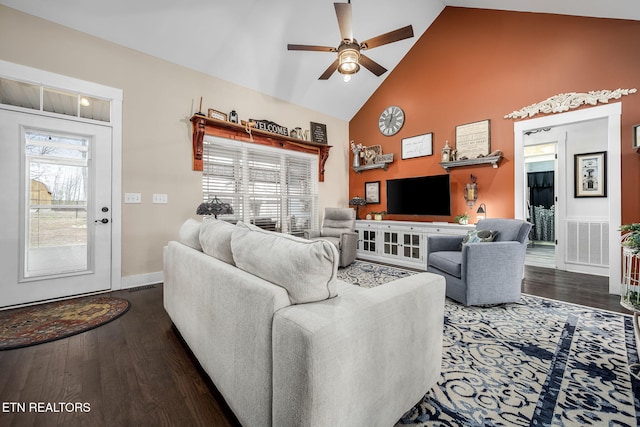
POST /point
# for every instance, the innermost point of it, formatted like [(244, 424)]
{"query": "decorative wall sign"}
[(417, 146), (472, 140), (591, 174), (270, 126), (566, 101), (384, 158), (215, 114), (372, 192), (318, 133)]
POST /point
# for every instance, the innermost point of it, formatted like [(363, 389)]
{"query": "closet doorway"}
[(541, 165)]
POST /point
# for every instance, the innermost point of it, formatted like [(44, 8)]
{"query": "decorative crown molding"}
[(567, 101)]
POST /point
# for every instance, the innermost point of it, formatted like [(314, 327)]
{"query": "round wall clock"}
[(391, 120)]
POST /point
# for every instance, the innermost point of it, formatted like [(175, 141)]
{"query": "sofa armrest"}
[(348, 248), (443, 243), (493, 268), (310, 234), (363, 358), (491, 260)]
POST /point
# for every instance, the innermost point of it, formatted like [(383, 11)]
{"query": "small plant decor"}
[(631, 239), (630, 298), (463, 218)]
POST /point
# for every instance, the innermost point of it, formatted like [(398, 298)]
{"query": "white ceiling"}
[(245, 41)]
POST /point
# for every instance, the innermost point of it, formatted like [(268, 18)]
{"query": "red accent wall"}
[(476, 64)]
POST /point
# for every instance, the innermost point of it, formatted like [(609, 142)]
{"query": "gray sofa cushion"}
[(448, 261), (306, 269), (189, 234), (215, 238)]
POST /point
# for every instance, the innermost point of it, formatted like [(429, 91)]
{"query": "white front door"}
[(55, 237)]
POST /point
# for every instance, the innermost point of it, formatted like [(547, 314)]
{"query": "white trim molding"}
[(567, 101), (612, 113)]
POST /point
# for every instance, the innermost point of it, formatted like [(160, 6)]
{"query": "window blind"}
[(275, 189)]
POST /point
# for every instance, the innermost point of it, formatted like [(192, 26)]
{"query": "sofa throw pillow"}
[(215, 238), (306, 269), (477, 236), (189, 234)]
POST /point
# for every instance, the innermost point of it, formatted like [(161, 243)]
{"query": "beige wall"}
[(159, 99)]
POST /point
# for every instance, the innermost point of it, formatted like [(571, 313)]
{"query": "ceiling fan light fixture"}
[(348, 61)]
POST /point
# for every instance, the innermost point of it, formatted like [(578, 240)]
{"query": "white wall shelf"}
[(493, 161)]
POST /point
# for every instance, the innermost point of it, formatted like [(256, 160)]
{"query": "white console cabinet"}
[(401, 242)]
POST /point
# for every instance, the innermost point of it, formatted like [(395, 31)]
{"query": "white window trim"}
[(244, 213)]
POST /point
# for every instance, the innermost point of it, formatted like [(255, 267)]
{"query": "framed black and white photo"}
[(372, 192), (636, 136), (417, 146), (591, 174)]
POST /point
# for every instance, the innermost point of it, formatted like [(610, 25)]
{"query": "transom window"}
[(52, 100)]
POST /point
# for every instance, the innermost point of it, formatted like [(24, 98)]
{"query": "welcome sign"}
[(270, 126)]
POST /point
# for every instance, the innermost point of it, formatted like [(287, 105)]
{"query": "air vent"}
[(587, 243)]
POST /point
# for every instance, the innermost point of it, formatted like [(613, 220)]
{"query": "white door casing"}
[(611, 113), (105, 140)]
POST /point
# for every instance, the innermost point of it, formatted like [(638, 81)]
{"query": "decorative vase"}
[(356, 159), (369, 216), (378, 217)]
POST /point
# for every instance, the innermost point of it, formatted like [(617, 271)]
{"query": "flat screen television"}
[(423, 195)]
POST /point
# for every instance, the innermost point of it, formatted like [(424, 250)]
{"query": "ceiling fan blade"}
[(329, 71), (372, 65), (311, 48), (343, 12), (390, 37)]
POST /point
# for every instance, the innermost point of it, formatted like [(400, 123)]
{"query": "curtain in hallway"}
[(541, 198)]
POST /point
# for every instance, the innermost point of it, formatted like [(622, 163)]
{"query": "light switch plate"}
[(160, 198), (132, 198)]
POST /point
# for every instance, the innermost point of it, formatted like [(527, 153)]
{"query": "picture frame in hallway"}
[(590, 170), (372, 192)]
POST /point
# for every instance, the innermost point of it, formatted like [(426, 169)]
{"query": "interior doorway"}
[(541, 179), (585, 227)]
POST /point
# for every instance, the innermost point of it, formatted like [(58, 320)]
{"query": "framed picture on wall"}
[(636, 136), (591, 174), (372, 192), (417, 146)]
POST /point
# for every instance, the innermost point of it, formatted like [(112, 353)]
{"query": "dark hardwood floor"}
[(136, 371)]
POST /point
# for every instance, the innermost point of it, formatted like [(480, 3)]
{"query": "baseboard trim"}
[(142, 280)]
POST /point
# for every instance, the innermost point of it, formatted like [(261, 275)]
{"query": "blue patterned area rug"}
[(536, 363)]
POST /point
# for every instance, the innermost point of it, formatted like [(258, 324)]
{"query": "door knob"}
[(103, 220)]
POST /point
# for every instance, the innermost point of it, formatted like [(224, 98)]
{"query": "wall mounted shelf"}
[(359, 169), (493, 161), (207, 126)]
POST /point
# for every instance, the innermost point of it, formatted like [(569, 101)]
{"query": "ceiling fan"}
[(349, 56)]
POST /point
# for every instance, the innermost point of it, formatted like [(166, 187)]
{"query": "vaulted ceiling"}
[(245, 41)]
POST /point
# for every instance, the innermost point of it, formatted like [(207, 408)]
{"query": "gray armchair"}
[(484, 272), (338, 227)]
